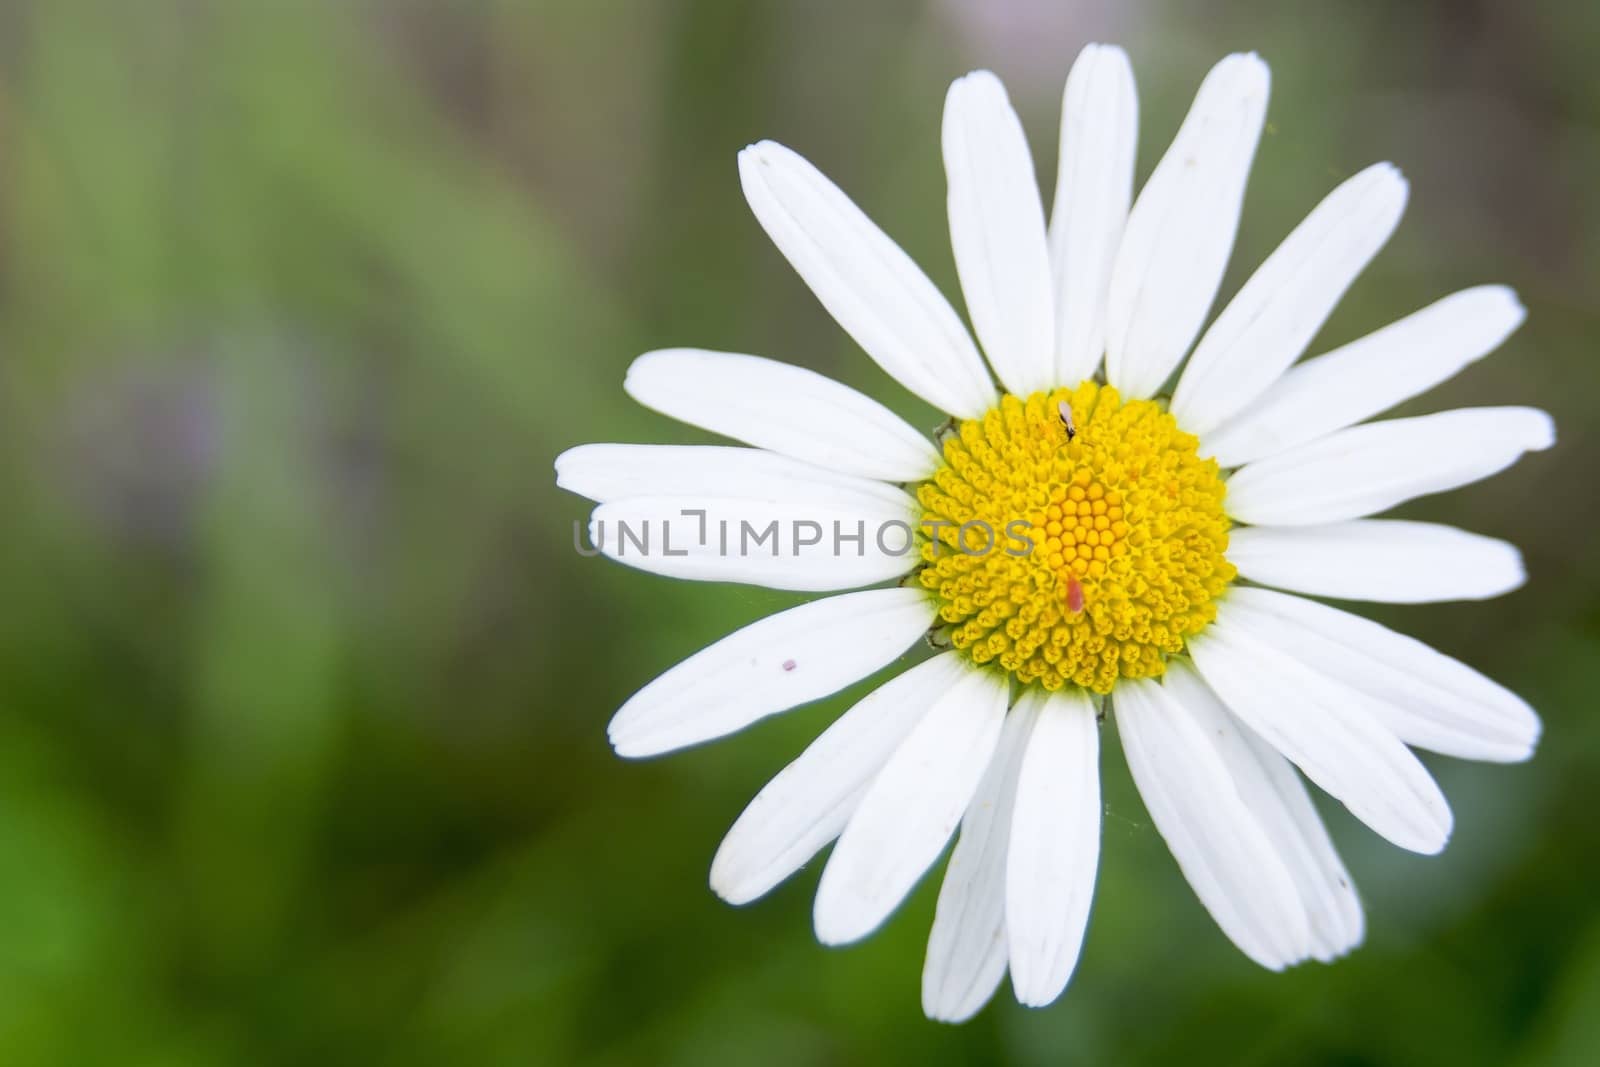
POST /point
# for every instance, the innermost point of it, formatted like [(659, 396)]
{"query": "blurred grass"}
[(302, 692)]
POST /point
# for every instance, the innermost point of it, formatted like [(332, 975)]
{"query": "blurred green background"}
[(303, 691)]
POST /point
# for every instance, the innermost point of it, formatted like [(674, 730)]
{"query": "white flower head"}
[(1077, 542)]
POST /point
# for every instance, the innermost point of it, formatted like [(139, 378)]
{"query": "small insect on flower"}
[(1074, 592), (1066, 419), (788, 665)]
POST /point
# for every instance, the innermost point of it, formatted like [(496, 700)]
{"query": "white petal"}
[(784, 408), (1274, 793), (809, 801), (997, 232), (607, 472), (797, 546), (1320, 726), (697, 500), (1215, 837), (777, 663), (1388, 560), (1371, 468), (1094, 186), (967, 947), (1369, 376), (1181, 229), (866, 281), (911, 809), (1280, 309), (1426, 698), (1055, 846)]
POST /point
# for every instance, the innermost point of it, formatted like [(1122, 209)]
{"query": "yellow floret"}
[(1125, 511)]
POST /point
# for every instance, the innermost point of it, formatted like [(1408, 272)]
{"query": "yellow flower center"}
[(1078, 558)]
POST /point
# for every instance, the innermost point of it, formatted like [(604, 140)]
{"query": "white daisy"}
[(1160, 531)]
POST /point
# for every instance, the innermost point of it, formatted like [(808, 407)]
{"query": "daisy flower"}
[(1077, 542)]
